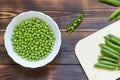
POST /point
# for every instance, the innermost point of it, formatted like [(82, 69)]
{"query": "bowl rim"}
[(50, 59)]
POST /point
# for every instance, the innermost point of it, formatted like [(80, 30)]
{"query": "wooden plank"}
[(63, 12), (91, 23), (58, 14), (49, 72), (2, 37), (66, 54), (52, 5), (65, 66)]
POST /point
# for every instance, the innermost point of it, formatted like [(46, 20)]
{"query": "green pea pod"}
[(104, 66), (119, 63), (114, 14), (110, 53), (107, 38), (107, 62), (117, 18), (104, 54), (73, 25), (111, 2), (111, 35), (104, 46), (112, 45), (108, 59), (117, 42)]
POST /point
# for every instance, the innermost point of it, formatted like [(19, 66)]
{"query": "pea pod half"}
[(73, 25)]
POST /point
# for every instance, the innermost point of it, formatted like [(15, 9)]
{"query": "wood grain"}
[(62, 11), (52, 5), (49, 72), (65, 66), (93, 19)]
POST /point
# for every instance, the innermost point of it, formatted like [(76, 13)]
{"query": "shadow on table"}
[(41, 72), (28, 72)]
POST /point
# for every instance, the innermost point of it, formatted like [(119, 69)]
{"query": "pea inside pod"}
[(73, 25)]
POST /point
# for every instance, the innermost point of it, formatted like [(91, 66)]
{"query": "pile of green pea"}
[(33, 39)]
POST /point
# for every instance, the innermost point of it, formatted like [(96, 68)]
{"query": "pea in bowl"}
[(32, 39)]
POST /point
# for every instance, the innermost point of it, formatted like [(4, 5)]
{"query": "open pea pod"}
[(74, 24)]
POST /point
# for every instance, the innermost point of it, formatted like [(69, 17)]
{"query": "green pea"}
[(29, 38)]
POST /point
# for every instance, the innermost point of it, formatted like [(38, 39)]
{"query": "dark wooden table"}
[(65, 66)]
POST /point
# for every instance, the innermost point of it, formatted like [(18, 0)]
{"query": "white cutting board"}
[(87, 51)]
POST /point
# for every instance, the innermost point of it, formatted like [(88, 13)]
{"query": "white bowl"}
[(25, 16)]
